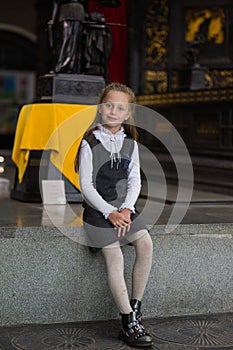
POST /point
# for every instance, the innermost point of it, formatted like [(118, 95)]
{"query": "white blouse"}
[(113, 144)]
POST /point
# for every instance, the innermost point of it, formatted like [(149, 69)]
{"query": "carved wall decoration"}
[(219, 79), (201, 39), (204, 30), (156, 60), (157, 34), (208, 23), (169, 29), (156, 80), (214, 79), (187, 97)]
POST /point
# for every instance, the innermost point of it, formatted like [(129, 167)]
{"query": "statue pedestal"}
[(192, 78), (29, 189), (59, 88), (70, 88)]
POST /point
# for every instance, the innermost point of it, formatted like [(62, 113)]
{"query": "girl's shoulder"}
[(90, 139)]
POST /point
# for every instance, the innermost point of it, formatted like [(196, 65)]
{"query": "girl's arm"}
[(86, 181), (134, 181)]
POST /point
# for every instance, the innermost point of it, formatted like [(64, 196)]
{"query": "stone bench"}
[(47, 277)]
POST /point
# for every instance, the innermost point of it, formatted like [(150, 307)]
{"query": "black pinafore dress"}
[(110, 180)]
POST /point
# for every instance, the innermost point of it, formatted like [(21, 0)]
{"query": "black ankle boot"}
[(136, 306), (132, 332)]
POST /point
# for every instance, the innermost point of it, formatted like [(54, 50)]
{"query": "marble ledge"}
[(210, 230)]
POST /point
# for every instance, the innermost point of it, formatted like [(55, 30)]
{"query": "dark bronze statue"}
[(97, 45), (82, 44), (194, 73), (192, 51), (70, 15)]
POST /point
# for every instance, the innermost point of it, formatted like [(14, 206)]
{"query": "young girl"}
[(109, 174)]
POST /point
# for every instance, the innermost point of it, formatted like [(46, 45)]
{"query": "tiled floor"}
[(210, 332)]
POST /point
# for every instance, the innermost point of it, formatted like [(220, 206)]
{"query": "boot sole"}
[(138, 345)]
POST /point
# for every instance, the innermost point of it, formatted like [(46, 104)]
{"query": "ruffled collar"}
[(102, 134)]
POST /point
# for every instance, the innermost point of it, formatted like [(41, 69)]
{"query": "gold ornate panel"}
[(198, 21), (157, 31), (207, 22), (188, 97)]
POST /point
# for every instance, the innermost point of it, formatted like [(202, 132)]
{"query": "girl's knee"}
[(144, 242), (148, 244)]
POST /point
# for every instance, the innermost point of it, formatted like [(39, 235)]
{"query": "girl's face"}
[(115, 110)]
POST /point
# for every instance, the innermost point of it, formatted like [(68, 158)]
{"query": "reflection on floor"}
[(206, 206)]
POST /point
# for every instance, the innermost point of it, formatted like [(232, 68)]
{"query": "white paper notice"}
[(53, 192)]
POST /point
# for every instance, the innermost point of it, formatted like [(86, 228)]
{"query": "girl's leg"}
[(132, 331), (115, 270), (143, 261)]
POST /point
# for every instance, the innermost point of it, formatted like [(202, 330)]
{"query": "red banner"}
[(116, 18)]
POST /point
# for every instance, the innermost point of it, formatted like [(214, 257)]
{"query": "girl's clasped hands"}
[(121, 220)]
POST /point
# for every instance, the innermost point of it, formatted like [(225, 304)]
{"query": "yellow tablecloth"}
[(55, 127)]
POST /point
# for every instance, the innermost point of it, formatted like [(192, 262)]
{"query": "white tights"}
[(115, 270)]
